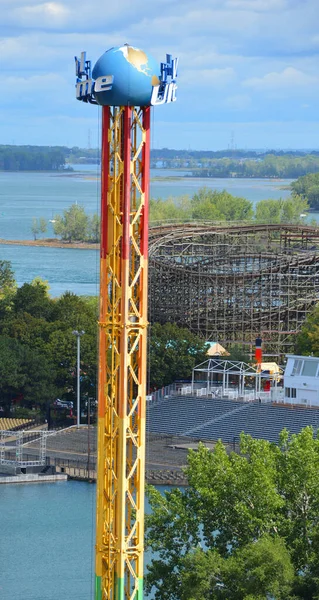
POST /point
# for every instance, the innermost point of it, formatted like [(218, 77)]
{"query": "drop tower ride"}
[(126, 82)]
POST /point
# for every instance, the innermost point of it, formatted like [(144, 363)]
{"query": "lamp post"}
[(78, 413)]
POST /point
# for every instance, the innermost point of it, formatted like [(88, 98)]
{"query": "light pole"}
[(78, 413)]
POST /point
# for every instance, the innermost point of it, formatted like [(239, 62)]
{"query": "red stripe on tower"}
[(146, 179), (105, 166)]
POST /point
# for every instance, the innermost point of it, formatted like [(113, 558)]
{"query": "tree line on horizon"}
[(199, 163), (31, 158), (270, 166)]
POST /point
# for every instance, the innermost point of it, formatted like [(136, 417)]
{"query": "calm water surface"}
[(64, 269), (27, 195), (46, 541)]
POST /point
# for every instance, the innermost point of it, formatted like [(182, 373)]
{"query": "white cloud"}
[(257, 5), (48, 14), (289, 77), (268, 45)]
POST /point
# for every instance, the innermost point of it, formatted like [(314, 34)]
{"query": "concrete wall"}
[(32, 478), (10, 469)]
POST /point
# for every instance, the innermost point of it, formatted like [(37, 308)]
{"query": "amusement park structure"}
[(125, 82), (232, 283)]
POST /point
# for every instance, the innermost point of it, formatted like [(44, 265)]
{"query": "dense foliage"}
[(75, 225), (307, 187), (222, 163), (205, 205), (161, 154), (38, 348), (213, 205), (31, 158), (238, 163), (247, 527), (174, 352), (284, 167), (308, 338)]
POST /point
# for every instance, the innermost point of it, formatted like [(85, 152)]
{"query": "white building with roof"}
[(301, 380)]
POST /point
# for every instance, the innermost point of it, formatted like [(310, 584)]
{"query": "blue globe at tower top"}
[(134, 74)]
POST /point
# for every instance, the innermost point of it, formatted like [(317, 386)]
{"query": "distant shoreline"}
[(51, 243)]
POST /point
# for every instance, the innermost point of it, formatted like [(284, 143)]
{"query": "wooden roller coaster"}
[(229, 283)]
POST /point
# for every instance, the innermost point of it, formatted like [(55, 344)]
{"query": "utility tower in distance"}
[(126, 82)]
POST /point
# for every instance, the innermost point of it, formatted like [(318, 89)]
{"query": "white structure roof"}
[(234, 367)]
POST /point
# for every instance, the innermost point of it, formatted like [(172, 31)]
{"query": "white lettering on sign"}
[(84, 89), (163, 96), (104, 83), (165, 92)]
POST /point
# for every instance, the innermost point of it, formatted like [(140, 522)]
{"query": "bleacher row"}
[(12, 424), (225, 419)]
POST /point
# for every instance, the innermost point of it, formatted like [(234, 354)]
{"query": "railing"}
[(232, 393), (164, 392)]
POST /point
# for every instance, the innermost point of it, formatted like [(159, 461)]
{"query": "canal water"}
[(47, 536)]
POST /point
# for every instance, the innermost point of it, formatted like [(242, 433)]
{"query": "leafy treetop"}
[(248, 521)]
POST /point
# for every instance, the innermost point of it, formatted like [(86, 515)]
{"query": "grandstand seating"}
[(225, 419), (12, 424)]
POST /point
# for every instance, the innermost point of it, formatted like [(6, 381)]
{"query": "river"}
[(26, 195), (47, 536)]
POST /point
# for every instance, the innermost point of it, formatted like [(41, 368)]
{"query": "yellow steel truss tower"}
[(122, 353)]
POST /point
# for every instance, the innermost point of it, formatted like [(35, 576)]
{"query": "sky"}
[(248, 71)]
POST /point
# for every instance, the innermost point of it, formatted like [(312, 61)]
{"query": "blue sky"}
[(247, 67)]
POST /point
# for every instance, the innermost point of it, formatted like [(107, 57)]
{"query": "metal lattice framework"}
[(232, 283), (13, 442), (122, 354)]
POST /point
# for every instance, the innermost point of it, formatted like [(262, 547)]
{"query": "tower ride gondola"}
[(126, 82)]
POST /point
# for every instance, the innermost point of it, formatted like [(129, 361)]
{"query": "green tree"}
[(37, 346), (268, 211), (25, 374), (38, 226), (73, 225), (308, 188), (8, 286), (258, 571), (248, 512), (313, 196), (72, 313), (213, 205), (171, 209), (290, 210), (174, 351), (236, 352), (94, 229), (43, 225), (294, 209), (33, 298), (31, 331), (12, 377), (35, 229), (308, 339)]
